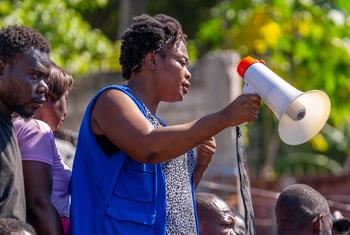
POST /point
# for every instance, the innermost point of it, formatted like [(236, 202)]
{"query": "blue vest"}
[(114, 194)]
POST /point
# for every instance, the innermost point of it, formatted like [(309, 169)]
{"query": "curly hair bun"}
[(147, 34)]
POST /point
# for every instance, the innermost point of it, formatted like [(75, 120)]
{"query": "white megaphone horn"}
[(301, 114)]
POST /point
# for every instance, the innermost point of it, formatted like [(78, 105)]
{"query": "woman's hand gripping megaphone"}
[(245, 108)]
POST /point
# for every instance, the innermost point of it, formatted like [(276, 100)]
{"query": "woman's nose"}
[(188, 75)]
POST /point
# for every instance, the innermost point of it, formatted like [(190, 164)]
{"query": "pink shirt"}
[(37, 143)]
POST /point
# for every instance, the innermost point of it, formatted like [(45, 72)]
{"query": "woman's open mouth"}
[(185, 87)]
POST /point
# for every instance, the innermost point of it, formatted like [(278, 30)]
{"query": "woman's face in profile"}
[(173, 80)]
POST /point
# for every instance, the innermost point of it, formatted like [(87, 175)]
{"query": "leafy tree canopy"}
[(75, 46), (306, 42)]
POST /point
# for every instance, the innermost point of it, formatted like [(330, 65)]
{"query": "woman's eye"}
[(183, 63)]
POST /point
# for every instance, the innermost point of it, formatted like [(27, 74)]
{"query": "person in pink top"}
[(46, 177)]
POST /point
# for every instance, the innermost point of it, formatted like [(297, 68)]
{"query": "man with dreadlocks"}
[(24, 65), (133, 174)]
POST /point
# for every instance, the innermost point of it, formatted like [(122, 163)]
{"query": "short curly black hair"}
[(16, 39), (147, 34), (297, 206)]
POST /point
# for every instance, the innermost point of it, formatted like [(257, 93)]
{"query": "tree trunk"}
[(346, 167), (129, 9)]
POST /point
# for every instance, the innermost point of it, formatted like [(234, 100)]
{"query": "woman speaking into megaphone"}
[(131, 170)]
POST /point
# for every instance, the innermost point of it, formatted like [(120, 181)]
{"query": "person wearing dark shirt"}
[(24, 64)]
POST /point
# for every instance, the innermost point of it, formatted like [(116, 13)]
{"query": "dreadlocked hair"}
[(147, 34), (15, 39)]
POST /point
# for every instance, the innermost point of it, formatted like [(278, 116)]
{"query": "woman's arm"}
[(116, 116), (41, 214)]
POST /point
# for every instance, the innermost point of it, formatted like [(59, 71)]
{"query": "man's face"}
[(23, 82), (224, 222)]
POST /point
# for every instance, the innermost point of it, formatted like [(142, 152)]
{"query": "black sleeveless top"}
[(106, 145)]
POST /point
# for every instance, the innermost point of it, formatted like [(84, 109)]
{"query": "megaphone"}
[(301, 114)]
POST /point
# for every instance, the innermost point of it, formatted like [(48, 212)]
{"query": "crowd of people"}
[(132, 173)]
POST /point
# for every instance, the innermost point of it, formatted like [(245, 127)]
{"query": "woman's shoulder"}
[(35, 140), (115, 97), (43, 126), (30, 124), (26, 128), (121, 88)]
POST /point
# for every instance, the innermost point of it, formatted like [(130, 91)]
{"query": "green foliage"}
[(192, 51), (301, 164), (83, 5), (306, 44), (190, 13), (339, 138), (102, 16), (75, 46)]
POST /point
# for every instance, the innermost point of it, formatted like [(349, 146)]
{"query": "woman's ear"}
[(151, 61)]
